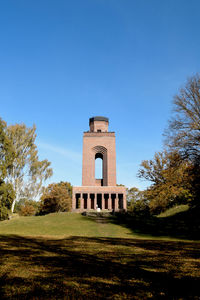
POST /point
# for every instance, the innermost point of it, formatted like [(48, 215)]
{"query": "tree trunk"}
[(13, 205)]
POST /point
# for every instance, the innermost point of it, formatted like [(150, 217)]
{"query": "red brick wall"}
[(106, 141), (99, 125)]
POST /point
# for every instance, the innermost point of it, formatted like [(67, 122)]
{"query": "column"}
[(124, 202), (109, 202), (81, 202), (74, 201), (88, 201), (103, 201), (117, 202), (95, 201)]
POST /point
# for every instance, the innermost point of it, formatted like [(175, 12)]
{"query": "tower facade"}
[(99, 143), (103, 192)]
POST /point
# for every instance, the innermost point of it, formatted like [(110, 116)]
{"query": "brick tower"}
[(103, 193)]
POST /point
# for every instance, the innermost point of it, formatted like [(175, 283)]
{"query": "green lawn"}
[(69, 256), (63, 225)]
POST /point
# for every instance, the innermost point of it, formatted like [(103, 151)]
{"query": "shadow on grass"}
[(183, 225), (98, 268)]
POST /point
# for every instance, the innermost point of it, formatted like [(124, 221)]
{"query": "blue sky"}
[(62, 62)]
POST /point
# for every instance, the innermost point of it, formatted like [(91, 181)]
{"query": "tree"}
[(183, 133), (136, 200), (6, 158), (132, 196), (6, 151), (68, 186), (170, 178), (175, 173), (56, 198), (27, 173), (28, 207), (7, 196)]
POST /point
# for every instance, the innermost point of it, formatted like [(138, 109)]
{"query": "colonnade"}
[(108, 201)]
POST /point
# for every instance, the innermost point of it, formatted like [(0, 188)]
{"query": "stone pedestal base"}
[(111, 198)]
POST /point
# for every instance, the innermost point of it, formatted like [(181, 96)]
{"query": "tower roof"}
[(99, 118)]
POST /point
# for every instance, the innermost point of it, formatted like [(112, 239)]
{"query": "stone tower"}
[(103, 193)]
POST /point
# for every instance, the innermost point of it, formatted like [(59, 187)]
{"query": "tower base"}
[(111, 198)]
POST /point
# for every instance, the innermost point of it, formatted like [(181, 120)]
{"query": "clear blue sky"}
[(62, 62)]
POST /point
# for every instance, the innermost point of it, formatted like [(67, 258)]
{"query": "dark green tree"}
[(6, 152), (6, 159), (7, 195)]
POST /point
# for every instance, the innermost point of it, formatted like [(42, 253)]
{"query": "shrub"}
[(56, 198), (4, 213), (27, 210), (7, 196)]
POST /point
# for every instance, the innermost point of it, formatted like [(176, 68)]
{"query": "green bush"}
[(7, 196), (4, 213)]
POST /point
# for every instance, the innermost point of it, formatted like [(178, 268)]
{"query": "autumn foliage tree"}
[(56, 198), (170, 180), (175, 173), (183, 133), (27, 207)]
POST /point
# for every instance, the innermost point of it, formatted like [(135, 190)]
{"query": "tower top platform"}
[(98, 124), (98, 118)]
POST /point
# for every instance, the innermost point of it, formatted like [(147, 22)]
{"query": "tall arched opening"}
[(99, 168), (100, 161)]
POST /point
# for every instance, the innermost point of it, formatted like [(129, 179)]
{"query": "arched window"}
[(100, 157), (99, 166)]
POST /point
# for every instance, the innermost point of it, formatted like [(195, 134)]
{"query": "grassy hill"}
[(63, 224), (174, 211), (180, 222), (70, 256)]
